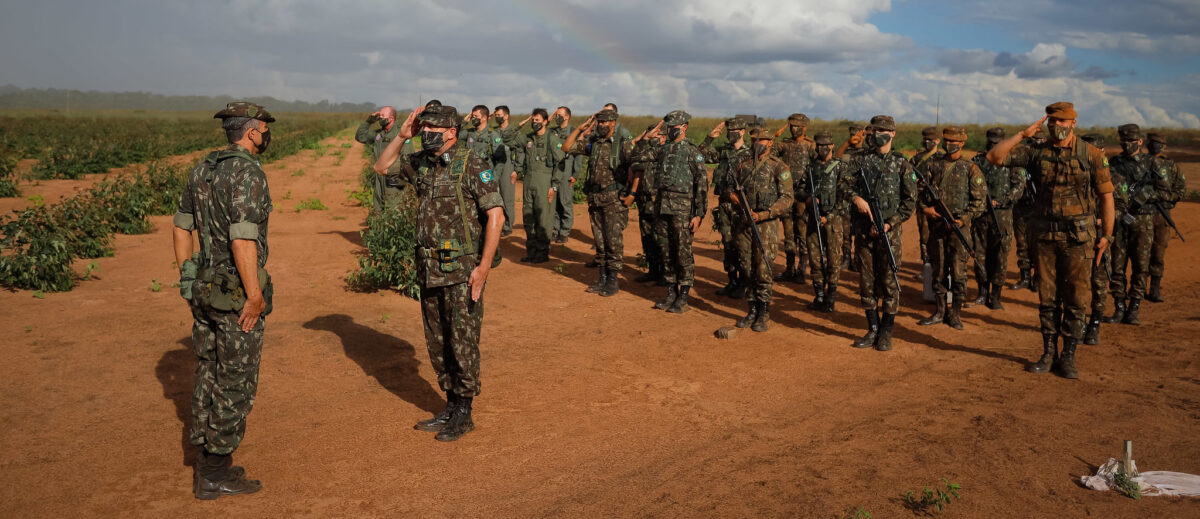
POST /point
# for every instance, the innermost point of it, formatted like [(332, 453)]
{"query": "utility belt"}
[(220, 288), (446, 255), (592, 189), (1077, 230)]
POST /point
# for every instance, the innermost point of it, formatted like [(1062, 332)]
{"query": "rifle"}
[(878, 224), (992, 213), (1146, 177), (946, 215), (1167, 217), (743, 203), (815, 207)]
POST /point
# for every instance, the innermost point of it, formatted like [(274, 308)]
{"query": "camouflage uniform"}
[(1005, 186), (1162, 230), (724, 214), (1137, 186), (543, 154), (767, 183), (608, 164), (846, 152), (682, 195), (378, 139), (831, 179), (919, 158), (796, 152), (1022, 211), (645, 169)]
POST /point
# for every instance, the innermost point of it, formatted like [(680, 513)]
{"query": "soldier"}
[(930, 138), (485, 142), (725, 213), (963, 190), (1162, 229), (1071, 177), (796, 152), (378, 139), (1101, 272), (682, 202), (894, 185), (570, 170), (543, 154), (855, 144), (1138, 187), (1021, 229), (831, 178), (458, 195), (645, 190), (227, 203), (608, 194), (506, 172), (1005, 186)]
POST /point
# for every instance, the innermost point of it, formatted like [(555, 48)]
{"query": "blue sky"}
[(987, 61)]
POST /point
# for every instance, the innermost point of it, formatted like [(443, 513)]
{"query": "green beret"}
[(883, 122), (735, 123), (1129, 132), (676, 118), (604, 116), (245, 109), (823, 138), (441, 116), (799, 119)]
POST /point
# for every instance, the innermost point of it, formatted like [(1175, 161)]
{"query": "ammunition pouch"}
[(220, 288), (187, 276)]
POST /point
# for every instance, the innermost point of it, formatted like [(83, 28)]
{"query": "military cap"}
[(1095, 139), (1129, 132), (854, 128), (1156, 137), (245, 109), (761, 133), (823, 138), (883, 122), (441, 116), (995, 134), (798, 119), (1061, 110), (735, 123), (954, 133), (604, 116), (930, 132), (676, 118)]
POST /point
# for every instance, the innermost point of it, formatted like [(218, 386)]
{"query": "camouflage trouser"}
[(1100, 281), (849, 240), (755, 262), (948, 257), (564, 208), (794, 232), (384, 196), (226, 378), (991, 247), (653, 243), (1158, 253), (875, 275), (1023, 235), (537, 216), (923, 234), (723, 218), (508, 192), (452, 323), (832, 231), (680, 266), (1132, 244), (1064, 269), (608, 225)]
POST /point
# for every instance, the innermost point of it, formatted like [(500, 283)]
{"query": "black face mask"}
[(265, 142), (674, 132), (498, 119), (733, 136), (929, 144), (1156, 147), (882, 139), (537, 127), (602, 132), (558, 120), (953, 147), (823, 151), (432, 141), (1130, 147), (798, 130), (475, 122)]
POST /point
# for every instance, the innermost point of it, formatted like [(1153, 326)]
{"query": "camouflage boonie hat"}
[(954, 133), (1156, 137), (604, 116), (761, 133), (799, 119), (441, 116), (823, 138), (1095, 139), (245, 109), (1129, 132), (1061, 110), (883, 122), (854, 128), (735, 123), (995, 134), (676, 118)]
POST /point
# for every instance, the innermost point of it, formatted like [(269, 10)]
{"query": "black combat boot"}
[(995, 303), (790, 272), (1118, 313), (728, 288), (1024, 282), (983, 294), (610, 287), (672, 294), (939, 314), (1155, 294), (1131, 313), (233, 471), (764, 317), (439, 420), (830, 298), (1049, 355), (954, 313), (680, 305), (652, 274), (802, 261), (601, 280), (1092, 334), (884, 341), (818, 301), (751, 315), (216, 477), (460, 422), (1065, 367), (868, 340)]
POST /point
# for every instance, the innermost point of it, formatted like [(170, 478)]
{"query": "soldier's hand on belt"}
[(513, 178), (694, 225), (716, 132), (250, 313), (931, 212)]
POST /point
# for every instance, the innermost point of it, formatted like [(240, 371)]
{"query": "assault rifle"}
[(815, 208), (740, 200), (992, 214), (878, 224), (947, 217), (1153, 202)]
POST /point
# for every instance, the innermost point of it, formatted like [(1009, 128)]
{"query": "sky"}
[(968, 61)]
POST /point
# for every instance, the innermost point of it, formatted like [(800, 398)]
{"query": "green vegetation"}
[(8, 173), (155, 286), (390, 259), (312, 204), (932, 498), (857, 513), (1127, 486)]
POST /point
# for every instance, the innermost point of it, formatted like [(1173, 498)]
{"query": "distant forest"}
[(37, 98)]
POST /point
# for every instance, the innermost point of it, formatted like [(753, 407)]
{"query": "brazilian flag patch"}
[(559, 145), (1105, 162), (786, 175), (485, 175), (1124, 188), (700, 158), (1162, 172), (978, 180), (914, 176)]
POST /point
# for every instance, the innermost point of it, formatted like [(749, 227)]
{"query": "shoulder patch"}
[(1162, 172), (406, 141), (785, 175), (1104, 162), (699, 158), (558, 145), (913, 176), (486, 176), (979, 180), (496, 140)]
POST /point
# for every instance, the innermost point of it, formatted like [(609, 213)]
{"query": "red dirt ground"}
[(591, 406)]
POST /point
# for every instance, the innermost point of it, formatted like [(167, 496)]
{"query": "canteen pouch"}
[(187, 276), (221, 289)]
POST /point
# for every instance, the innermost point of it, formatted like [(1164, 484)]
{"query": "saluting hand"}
[(1032, 129), (716, 132)]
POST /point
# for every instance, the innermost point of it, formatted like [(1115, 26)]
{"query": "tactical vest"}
[(826, 185), (955, 184), (601, 179), (1064, 192), (759, 184), (885, 183), (998, 179), (675, 170)]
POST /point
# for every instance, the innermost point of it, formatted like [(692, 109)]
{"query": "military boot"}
[(1065, 367), (1023, 282), (216, 477), (995, 303), (652, 274), (790, 272), (939, 314), (1049, 355), (751, 315), (438, 422), (460, 422), (983, 295), (672, 294), (1118, 313), (764, 317), (610, 287), (884, 341), (868, 340), (1092, 334), (954, 313), (830, 299), (741, 288), (601, 280), (802, 260), (680, 305), (1155, 294), (728, 288), (818, 301), (1131, 313)]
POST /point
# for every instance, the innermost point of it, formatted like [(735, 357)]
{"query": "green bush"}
[(390, 259), (8, 174)]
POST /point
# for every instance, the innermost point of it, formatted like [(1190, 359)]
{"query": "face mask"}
[(558, 120), (1130, 148), (264, 142), (498, 119), (674, 132), (953, 147), (732, 136), (432, 141), (760, 147), (602, 132), (929, 145), (1060, 133), (1156, 147), (537, 127), (882, 139), (475, 122), (823, 151), (798, 131)]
